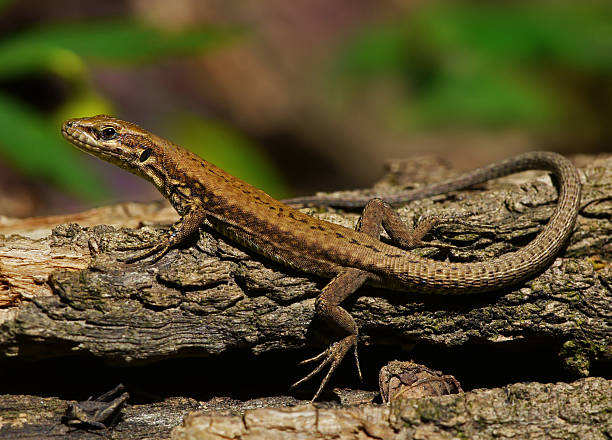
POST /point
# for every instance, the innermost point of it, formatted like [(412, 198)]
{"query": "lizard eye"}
[(108, 133), (145, 154)]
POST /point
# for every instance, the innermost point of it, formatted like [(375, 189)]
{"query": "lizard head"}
[(119, 142)]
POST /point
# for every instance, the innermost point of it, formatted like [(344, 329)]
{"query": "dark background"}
[(295, 97)]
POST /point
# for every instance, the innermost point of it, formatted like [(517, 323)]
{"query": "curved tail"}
[(421, 274)]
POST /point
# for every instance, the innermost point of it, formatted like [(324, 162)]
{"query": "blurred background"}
[(295, 97)]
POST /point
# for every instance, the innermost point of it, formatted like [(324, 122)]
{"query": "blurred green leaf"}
[(55, 47), (379, 51), (570, 33), (483, 99), (83, 102), (4, 3), (229, 150), (38, 149), (482, 64)]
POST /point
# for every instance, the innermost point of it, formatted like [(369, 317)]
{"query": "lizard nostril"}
[(69, 124)]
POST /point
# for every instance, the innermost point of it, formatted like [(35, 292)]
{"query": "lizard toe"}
[(332, 357)]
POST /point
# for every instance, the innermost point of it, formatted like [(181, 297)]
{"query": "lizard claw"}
[(157, 251), (332, 357), (435, 244), (136, 247)]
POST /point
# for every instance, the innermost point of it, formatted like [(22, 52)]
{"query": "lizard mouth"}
[(79, 140), (83, 141)]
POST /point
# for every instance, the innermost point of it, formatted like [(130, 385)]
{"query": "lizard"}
[(203, 193)]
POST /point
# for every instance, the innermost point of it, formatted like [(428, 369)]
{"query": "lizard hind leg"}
[(378, 214), (327, 305)]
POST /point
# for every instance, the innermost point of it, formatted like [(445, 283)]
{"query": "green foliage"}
[(225, 148), (4, 3), (483, 63), (32, 142), (104, 42), (36, 145)]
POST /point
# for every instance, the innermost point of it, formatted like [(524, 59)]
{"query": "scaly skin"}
[(201, 192)]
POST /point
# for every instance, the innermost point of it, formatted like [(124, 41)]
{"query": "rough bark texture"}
[(210, 298), (39, 418), (578, 410)]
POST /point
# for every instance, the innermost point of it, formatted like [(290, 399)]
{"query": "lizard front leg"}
[(186, 226)]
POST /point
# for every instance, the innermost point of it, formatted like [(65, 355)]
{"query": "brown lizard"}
[(202, 192)]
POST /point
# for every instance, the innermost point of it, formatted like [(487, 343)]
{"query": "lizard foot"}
[(332, 357)]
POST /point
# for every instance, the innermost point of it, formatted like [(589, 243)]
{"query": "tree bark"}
[(64, 292), (524, 410), (574, 410)]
